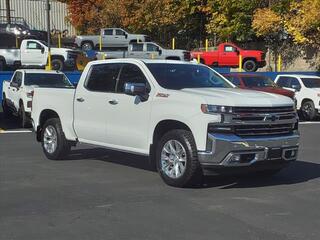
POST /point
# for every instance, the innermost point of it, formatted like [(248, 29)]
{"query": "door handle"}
[(80, 99), (113, 102)]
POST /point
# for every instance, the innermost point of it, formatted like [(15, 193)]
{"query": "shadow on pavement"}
[(296, 172), (8, 123)]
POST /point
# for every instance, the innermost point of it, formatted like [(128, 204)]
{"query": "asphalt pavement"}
[(102, 194)]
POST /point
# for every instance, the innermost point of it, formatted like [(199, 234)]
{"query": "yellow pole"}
[(207, 45), (49, 67), (173, 43), (279, 63), (100, 42), (198, 58), (59, 40), (240, 63), (17, 42), (152, 56), (104, 55)]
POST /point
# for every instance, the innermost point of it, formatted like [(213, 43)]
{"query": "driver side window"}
[(131, 73), (33, 45), (229, 48)]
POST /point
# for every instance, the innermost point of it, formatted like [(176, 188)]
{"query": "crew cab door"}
[(33, 53), (128, 124), (121, 37), (153, 51), (228, 56), (92, 110), (15, 90), (292, 84)]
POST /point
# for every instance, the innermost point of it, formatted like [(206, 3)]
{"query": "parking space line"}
[(14, 131)]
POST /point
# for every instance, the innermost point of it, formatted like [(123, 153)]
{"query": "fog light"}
[(235, 159)]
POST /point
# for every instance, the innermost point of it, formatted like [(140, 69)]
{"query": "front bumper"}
[(228, 151)]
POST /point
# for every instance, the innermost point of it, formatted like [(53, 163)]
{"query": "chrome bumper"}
[(225, 150)]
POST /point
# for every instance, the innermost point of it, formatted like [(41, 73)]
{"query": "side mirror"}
[(126, 35), (237, 51), (136, 89), (297, 88), (42, 50), (160, 51)]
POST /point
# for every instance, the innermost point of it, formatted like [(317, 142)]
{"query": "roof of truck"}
[(40, 71), (298, 75), (143, 60)]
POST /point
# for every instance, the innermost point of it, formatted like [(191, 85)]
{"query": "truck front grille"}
[(258, 121)]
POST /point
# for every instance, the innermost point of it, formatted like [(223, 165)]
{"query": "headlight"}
[(206, 108)]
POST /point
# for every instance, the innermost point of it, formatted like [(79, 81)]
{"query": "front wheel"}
[(5, 107), (308, 110), (24, 121), (57, 64), (177, 159), (54, 143)]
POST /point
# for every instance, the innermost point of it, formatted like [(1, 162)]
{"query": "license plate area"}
[(274, 154)]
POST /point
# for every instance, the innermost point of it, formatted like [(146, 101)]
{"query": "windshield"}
[(47, 80), (258, 81), (311, 82), (179, 76)]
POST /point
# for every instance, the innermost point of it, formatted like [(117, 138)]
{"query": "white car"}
[(188, 118), (34, 53), (307, 94), (17, 93)]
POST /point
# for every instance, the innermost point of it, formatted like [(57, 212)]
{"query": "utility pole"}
[(48, 33), (8, 11)]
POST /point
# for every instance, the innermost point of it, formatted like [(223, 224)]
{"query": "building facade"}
[(34, 14)]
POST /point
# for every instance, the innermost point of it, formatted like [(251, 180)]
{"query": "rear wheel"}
[(177, 159), (308, 110), (54, 143), (250, 66)]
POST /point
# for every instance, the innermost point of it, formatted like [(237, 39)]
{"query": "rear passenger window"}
[(108, 32), (136, 47), (131, 73), (103, 77)]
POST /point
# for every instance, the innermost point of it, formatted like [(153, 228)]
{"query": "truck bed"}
[(11, 55), (59, 100)]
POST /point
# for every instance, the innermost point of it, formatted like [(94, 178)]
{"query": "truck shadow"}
[(296, 172), (8, 123)]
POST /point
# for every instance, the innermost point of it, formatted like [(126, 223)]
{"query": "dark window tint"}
[(103, 77), (257, 81), (130, 73), (234, 80), (136, 47), (152, 48), (179, 76), (17, 79), (108, 32), (294, 83), (119, 32), (311, 82), (47, 80), (287, 82)]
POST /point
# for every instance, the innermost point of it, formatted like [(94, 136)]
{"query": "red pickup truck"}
[(228, 54)]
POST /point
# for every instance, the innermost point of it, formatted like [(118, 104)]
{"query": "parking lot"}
[(101, 194)]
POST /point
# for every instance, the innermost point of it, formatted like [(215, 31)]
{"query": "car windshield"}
[(311, 82), (47, 80), (257, 81), (179, 76)]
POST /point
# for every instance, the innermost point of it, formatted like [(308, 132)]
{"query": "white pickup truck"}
[(307, 92), (110, 38), (34, 53), (147, 50), (18, 92), (188, 118)]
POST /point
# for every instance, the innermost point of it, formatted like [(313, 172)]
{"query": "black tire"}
[(63, 146), (250, 65), (5, 107), (308, 111), (57, 64), (87, 46), (192, 174), (24, 121), (2, 65)]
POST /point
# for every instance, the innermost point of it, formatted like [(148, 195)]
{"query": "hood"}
[(236, 97), (276, 90)]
